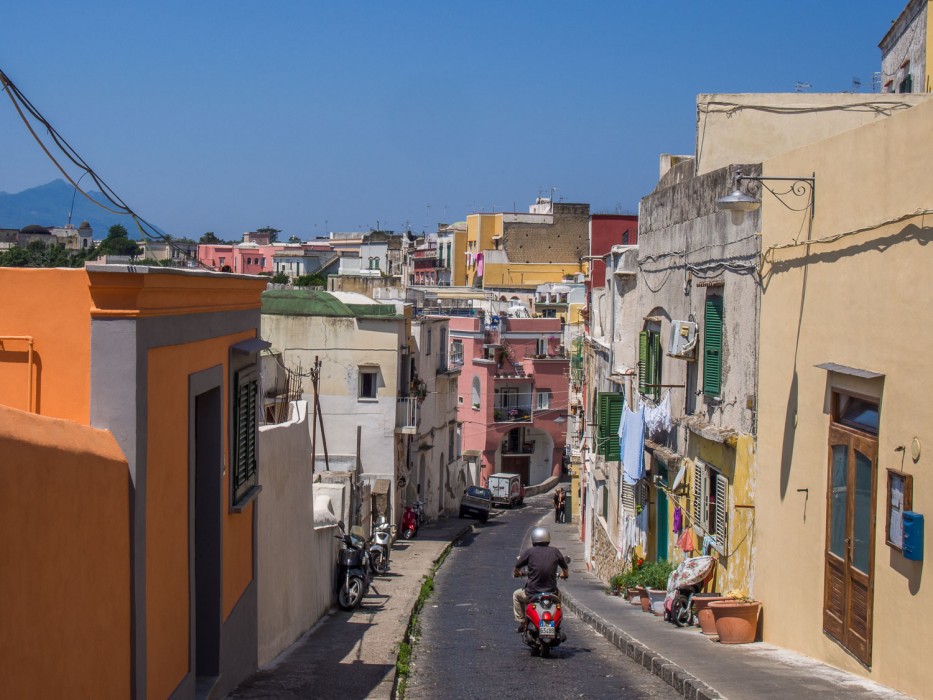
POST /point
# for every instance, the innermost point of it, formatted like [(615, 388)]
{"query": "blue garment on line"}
[(632, 445)]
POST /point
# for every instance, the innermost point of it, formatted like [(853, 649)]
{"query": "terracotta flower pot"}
[(634, 596), (736, 623), (657, 596), (645, 600), (704, 614)]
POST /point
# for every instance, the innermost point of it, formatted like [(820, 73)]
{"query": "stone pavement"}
[(353, 655), (696, 665)]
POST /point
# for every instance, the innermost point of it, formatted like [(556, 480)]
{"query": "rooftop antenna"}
[(801, 87)]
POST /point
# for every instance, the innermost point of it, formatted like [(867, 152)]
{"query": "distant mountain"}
[(48, 205)]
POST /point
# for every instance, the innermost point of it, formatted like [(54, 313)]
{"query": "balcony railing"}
[(512, 409), (406, 414)]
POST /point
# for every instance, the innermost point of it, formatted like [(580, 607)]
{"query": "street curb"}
[(686, 684), (432, 570)]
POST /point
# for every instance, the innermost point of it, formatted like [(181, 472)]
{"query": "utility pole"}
[(317, 416)]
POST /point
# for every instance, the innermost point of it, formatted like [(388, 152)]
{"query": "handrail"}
[(30, 340)]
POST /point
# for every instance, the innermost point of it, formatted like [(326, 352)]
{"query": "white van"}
[(507, 489)]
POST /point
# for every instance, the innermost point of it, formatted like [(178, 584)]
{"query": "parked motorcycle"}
[(419, 512), (685, 582), (543, 617), (352, 577), (409, 523), (380, 542)]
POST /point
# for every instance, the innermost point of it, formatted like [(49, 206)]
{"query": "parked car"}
[(507, 489), (476, 503)]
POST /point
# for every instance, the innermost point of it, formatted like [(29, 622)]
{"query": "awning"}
[(472, 453), (852, 371), (381, 487), (251, 345)]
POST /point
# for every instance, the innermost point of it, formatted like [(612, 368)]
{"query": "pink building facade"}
[(512, 394), (244, 258)]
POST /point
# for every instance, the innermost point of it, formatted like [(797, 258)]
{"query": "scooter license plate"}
[(546, 630)]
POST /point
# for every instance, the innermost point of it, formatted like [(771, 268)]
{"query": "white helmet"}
[(540, 535)]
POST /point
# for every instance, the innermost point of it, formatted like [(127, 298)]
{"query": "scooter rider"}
[(542, 561)]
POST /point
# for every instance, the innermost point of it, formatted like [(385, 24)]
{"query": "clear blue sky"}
[(322, 115)]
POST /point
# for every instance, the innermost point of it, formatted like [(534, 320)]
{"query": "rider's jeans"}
[(520, 600)]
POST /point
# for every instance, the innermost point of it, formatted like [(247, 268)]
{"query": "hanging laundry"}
[(678, 520), (658, 417), (479, 265), (685, 541), (632, 445)]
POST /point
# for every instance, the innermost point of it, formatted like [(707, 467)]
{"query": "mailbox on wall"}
[(913, 535)]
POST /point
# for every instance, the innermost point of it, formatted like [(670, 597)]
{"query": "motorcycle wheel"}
[(375, 562), (681, 615), (382, 564), (350, 594), (407, 533)]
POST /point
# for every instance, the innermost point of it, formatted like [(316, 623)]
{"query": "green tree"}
[(310, 281), (118, 242), (280, 278), (210, 238)]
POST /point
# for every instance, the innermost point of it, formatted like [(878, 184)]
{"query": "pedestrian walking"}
[(559, 502)]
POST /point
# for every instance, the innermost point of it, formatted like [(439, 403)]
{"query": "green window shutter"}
[(610, 405), (712, 347), (245, 425), (642, 361), (654, 365)]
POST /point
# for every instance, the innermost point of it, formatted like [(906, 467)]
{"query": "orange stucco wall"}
[(167, 581), (53, 306), (64, 560)]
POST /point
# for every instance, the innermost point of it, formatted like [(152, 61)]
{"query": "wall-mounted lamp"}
[(738, 201)]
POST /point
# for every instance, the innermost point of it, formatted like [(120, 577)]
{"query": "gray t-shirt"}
[(542, 563)]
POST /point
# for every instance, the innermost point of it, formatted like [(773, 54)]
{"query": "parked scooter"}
[(352, 577), (409, 523), (380, 542), (685, 582), (543, 617), (419, 512)]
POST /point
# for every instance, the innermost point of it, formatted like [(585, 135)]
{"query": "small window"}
[(368, 383), (858, 413), (544, 399), (476, 393), (541, 346), (649, 364)]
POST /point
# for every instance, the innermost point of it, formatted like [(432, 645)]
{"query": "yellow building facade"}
[(845, 378)]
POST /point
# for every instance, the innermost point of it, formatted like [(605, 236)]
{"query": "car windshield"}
[(479, 492)]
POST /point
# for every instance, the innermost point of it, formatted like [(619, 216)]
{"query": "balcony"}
[(406, 415), (512, 408)]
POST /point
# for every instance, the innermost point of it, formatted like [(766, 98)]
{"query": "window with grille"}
[(245, 425), (711, 504)]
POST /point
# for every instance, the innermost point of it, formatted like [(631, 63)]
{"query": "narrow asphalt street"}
[(469, 648)]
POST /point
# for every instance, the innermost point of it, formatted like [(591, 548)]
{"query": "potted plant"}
[(736, 619), (657, 574)]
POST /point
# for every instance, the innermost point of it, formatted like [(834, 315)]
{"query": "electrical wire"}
[(118, 206)]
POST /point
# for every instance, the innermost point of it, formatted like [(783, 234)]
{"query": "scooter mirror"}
[(341, 525)]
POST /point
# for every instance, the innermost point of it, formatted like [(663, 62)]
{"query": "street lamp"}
[(738, 201)]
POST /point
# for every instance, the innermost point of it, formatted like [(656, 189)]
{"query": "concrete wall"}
[(856, 299), (750, 128), (291, 556), (65, 590)]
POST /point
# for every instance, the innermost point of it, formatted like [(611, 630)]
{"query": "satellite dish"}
[(679, 478)]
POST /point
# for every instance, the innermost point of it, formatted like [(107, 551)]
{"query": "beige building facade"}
[(845, 378)]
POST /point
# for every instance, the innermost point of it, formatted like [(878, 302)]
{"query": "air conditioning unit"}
[(683, 341)]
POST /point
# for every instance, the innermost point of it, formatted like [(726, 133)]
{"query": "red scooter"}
[(543, 616), (409, 523)]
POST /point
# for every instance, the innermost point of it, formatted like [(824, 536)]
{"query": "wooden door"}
[(850, 540)]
